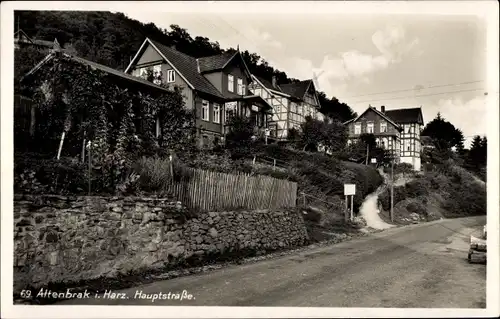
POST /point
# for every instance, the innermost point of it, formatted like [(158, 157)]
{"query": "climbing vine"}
[(119, 118)]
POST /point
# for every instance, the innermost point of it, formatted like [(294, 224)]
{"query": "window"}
[(357, 128), (204, 110), (277, 108), (143, 73), (157, 74), (369, 127), (407, 128), (228, 115), (240, 86), (170, 76), (230, 83), (406, 145), (412, 129), (293, 108), (383, 127), (216, 115)]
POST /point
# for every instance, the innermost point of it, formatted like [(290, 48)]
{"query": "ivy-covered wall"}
[(119, 117)]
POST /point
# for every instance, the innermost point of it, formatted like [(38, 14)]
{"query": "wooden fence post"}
[(171, 167)]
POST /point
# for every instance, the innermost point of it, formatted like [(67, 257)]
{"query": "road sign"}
[(267, 131), (374, 160), (349, 189)]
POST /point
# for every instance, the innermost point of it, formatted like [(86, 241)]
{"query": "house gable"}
[(371, 115), (149, 54)]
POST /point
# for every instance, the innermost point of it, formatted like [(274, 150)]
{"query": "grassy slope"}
[(320, 176), (451, 192)]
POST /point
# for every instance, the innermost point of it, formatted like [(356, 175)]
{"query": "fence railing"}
[(215, 191)]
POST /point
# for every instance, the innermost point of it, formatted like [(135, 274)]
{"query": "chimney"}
[(382, 108), (275, 84)]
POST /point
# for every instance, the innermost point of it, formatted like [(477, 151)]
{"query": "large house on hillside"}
[(397, 130), (215, 87), (291, 103)]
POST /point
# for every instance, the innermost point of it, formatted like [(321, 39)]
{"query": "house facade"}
[(411, 120), (386, 131), (214, 87), (291, 104), (397, 130)]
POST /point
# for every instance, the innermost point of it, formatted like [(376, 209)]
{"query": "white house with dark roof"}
[(291, 103), (397, 130)]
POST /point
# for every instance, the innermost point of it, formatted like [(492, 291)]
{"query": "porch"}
[(254, 107)]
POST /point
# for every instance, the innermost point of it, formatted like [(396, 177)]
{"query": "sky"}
[(437, 62)]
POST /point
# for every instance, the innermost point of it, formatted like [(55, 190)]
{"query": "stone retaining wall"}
[(58, 238)]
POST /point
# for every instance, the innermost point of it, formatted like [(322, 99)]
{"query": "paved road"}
[(418, 266)]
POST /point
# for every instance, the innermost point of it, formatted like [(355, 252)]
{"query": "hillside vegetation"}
[(448, 192), (321, 177)]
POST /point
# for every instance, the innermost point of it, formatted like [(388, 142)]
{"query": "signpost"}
[(349, 190)]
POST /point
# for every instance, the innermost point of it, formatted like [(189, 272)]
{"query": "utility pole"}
[(367, 152), (392, 190)]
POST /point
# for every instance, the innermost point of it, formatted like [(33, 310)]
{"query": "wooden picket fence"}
[(214, 191)]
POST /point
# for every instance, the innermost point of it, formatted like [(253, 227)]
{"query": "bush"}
[(37, 174), (417, 187), (417, 207), (155, 174)]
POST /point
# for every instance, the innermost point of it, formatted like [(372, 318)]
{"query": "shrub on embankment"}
[(319, 175), (449, 192)]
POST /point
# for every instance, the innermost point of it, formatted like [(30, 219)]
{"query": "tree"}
[(444, 134), (477, 156), (312, 133), (241, 132), (335, 109), (335, 136)]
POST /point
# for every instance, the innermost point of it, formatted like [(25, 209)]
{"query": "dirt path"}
[(369, 211)]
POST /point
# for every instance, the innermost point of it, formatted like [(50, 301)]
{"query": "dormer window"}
[(170, 76), (230, 83)]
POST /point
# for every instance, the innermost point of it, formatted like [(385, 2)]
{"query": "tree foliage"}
[(367, 146), (314, 133), (444, 134), (113, 39), (476, 158)]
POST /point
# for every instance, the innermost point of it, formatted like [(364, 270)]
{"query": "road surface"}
[(417, 266)]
